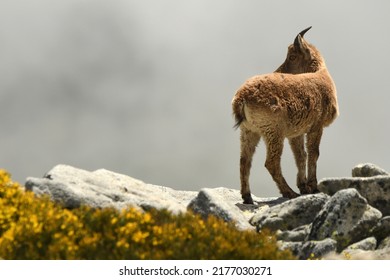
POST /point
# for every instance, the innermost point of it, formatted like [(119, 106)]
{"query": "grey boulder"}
[(290, 214), (295, 235), (382, 229), (368, 170), (310, 249), (375, 189), (225, 204), (346, 218)]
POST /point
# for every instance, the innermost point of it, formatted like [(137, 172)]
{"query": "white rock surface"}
[(102, 188)]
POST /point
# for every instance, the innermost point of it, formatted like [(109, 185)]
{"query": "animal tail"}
[(238, 111)]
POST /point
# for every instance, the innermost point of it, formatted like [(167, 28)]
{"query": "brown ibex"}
[(298, 99)]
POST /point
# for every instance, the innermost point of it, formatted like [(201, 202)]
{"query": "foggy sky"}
[(144, 88)]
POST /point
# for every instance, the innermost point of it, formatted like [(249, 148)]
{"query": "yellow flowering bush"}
[(36, 228)]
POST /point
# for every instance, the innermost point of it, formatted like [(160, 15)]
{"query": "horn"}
[(297, 41), (304, 31)]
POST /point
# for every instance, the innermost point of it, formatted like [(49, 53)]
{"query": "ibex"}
[(298, 99)]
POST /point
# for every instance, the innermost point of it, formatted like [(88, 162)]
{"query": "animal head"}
[(302, 57)]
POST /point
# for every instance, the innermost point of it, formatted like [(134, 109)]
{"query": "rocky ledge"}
[(349, 219)]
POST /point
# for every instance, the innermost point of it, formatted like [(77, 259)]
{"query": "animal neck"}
[(316, 65)]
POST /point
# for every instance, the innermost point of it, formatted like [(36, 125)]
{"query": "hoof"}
[(313, 191), (312, 187), (303, 189), (247, 198), (305, 192), (290, 195)]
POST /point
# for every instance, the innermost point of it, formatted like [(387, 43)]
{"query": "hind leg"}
[(313, 150), (249, 141), (298, 148), (274, 142)]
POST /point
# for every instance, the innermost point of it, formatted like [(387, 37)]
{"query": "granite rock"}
[(375, 189), (346, 218), (368, 170), (291, 213)]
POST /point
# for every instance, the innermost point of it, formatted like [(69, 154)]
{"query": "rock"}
[(293, 246), (381, 254), (367, 170), (343, 219), (346, 218), (382, 229), (297, 234), (225, 204), (358, 254), (102, 188), (216, 202), (290, 214), (367, 244), (385, 243), (317, 249), (375, 189), (310, 249)]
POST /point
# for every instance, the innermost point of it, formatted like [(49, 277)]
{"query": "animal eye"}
[(292, 57)]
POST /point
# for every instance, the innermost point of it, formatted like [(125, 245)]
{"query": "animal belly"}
[(289, 126)]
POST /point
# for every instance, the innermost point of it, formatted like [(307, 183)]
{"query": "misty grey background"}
[(144, 87)]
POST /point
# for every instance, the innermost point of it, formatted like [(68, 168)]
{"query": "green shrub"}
[(36, 228)]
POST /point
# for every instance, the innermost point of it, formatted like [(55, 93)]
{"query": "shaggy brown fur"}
[(298, 99)]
